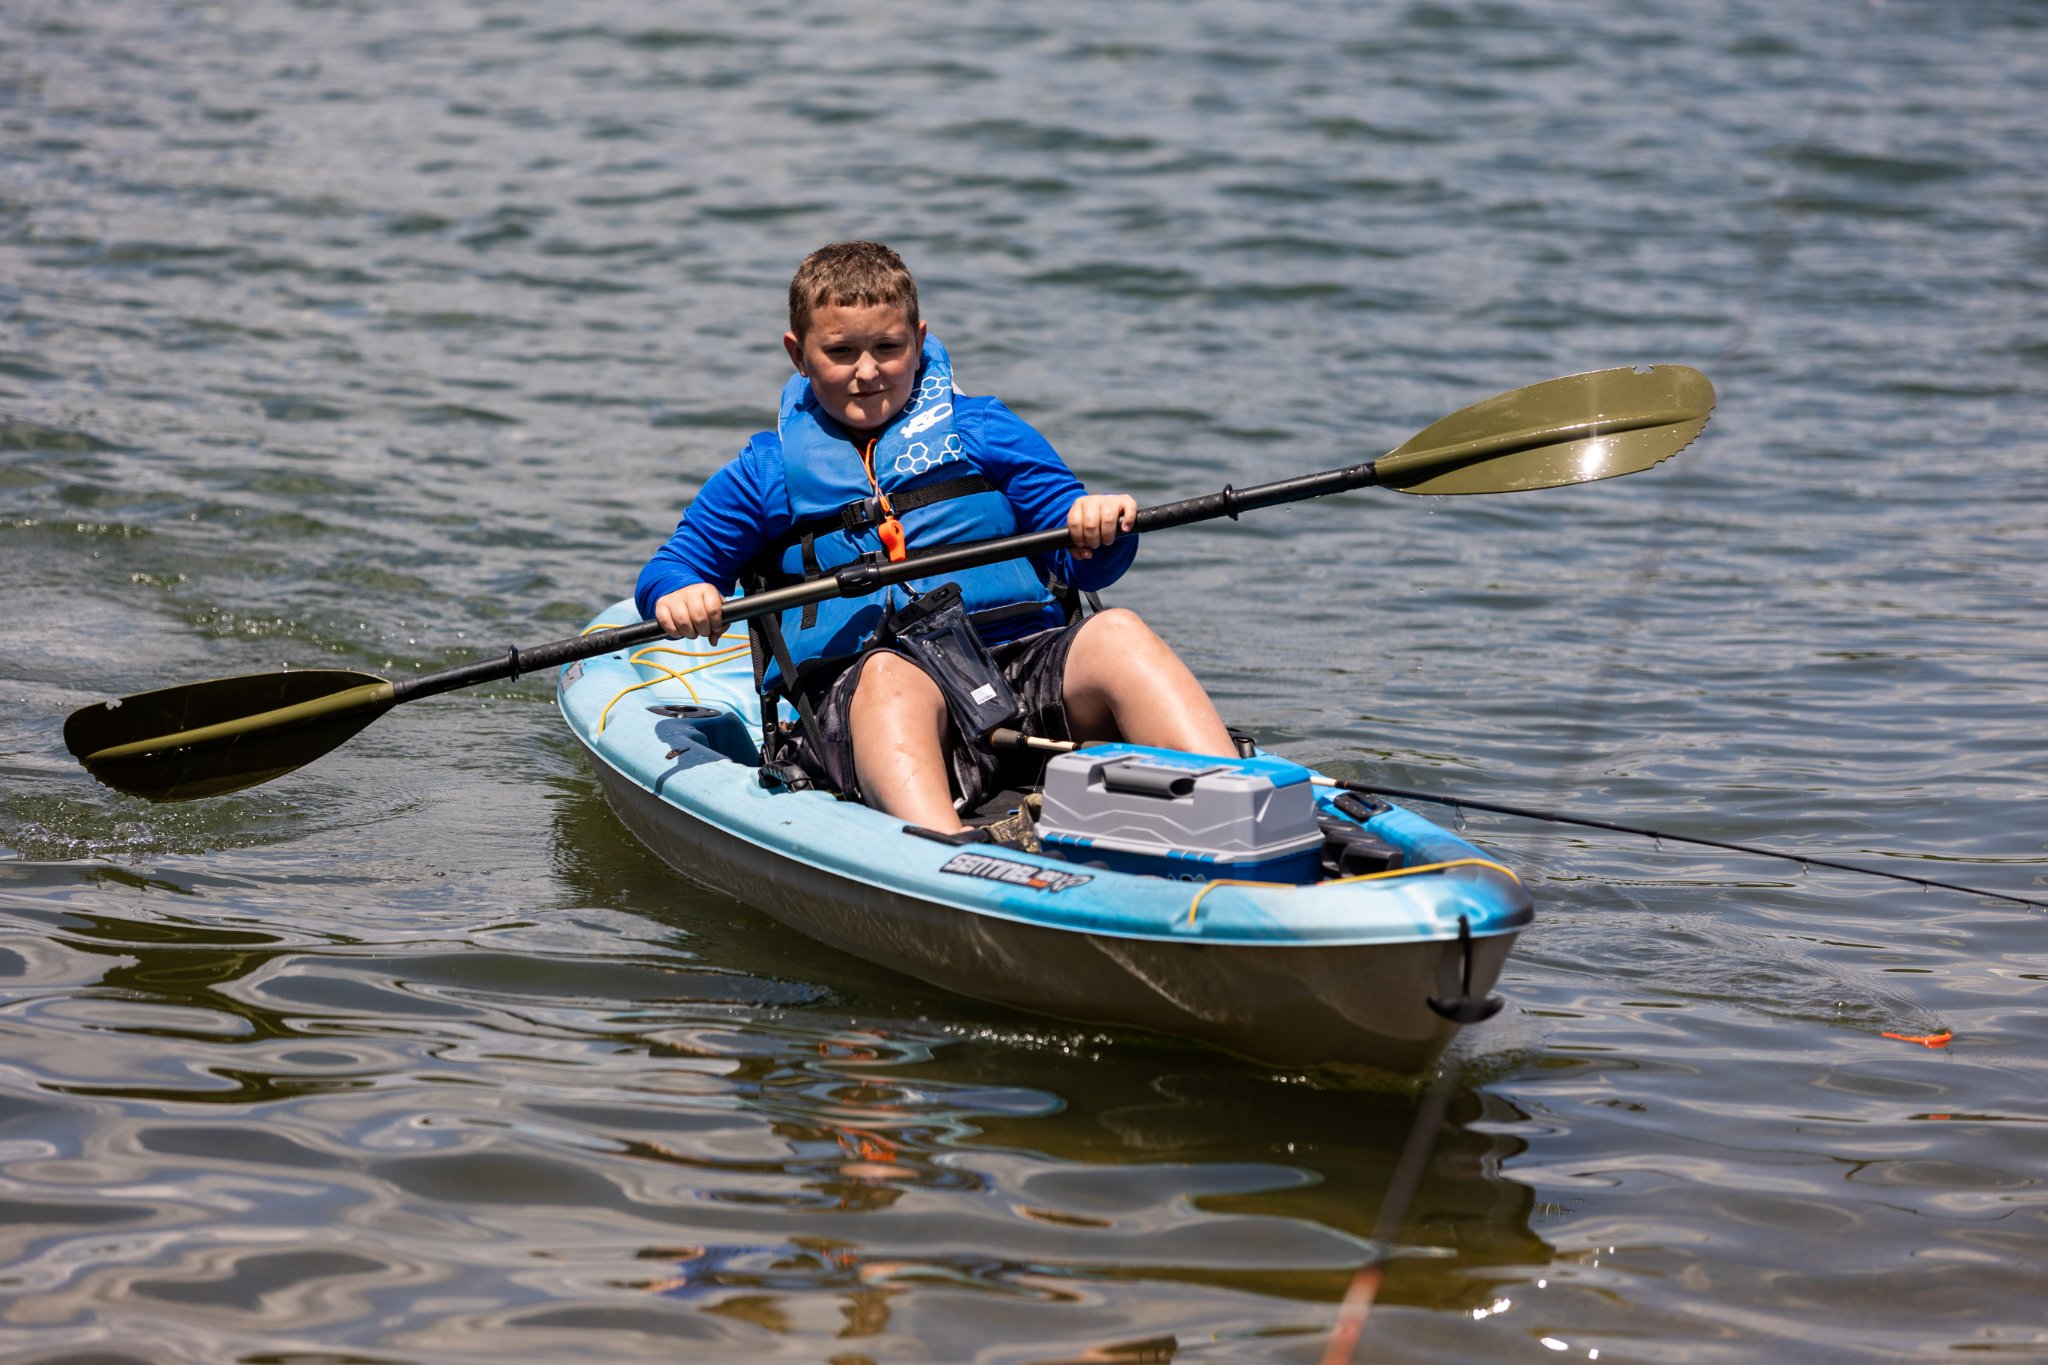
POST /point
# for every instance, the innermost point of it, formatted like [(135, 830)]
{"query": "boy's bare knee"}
[(892, 680), (1114, 619), (1117, 634)]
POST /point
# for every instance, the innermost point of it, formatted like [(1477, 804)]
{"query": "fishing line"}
[(1401, 1191), (1772, 254), (1774, 251)]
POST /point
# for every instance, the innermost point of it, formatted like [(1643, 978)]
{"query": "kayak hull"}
[(1286, 1005), (1292, 976)]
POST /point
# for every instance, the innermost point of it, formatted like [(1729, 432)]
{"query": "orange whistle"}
[(891, 532)]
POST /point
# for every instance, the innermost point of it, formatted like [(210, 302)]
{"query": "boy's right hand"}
[(698, 609)]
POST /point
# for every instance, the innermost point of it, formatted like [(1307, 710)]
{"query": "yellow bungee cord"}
[(1196, 904), (712, 657)]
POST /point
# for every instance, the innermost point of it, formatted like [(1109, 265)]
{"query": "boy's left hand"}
[(1095, 518)]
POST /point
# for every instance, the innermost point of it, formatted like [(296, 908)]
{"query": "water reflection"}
[(670, 1138), (1185, 1120), (1150, 1120)]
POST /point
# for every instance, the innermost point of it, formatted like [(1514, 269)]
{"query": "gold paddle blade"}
[(211, 738), (1598, 425)]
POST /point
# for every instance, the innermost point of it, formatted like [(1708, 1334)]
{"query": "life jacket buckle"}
[(861, 514)]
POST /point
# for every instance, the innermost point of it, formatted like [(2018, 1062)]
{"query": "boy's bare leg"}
[(898, 718), (1124, 682), (1121, 681)]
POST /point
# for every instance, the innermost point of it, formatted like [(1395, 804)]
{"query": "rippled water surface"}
[(381, 336)]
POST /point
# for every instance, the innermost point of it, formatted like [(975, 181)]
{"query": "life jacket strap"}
[(888, 529), (864, 514), (765, 569)]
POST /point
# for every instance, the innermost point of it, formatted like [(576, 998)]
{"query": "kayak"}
[(1239, 902)]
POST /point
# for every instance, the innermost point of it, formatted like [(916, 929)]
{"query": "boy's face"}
[(861, 361)]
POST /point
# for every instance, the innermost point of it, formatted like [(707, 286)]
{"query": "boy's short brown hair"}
[(850, 275)]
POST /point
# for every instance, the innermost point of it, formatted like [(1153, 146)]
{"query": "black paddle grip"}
[(516, 662)]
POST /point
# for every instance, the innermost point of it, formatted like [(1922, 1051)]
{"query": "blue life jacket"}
[(938, 495)]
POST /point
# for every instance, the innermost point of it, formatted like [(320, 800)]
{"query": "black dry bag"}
[(933, 630)]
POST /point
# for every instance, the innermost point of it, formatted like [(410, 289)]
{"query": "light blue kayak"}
[(1291, 965)]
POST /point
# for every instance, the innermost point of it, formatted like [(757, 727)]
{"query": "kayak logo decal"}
[(994, 869)]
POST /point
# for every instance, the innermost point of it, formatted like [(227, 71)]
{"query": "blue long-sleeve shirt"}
[(745, 505)]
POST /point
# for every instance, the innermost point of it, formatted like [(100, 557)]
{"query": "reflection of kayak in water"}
[(797, 1267), (1224, 900), (699, 1271)]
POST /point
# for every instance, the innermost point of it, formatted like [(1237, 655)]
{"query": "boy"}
[(877, 453)]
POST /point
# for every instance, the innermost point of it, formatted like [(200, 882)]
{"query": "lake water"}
[(383, 336)]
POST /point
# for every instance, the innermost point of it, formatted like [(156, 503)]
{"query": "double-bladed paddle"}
[(211, 738)]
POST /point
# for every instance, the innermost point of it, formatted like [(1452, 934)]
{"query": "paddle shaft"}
[(857, 579), (210, 738), (1581, 419)]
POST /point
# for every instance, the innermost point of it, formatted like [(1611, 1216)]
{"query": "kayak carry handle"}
[(1465, 1007)]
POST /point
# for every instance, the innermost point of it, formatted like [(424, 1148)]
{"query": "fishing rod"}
[(1663, 836), (1017, 740)]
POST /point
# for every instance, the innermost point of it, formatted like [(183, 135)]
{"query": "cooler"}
[(1170, 814)]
